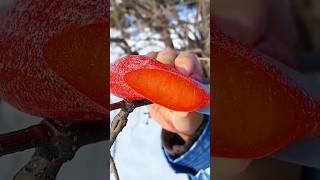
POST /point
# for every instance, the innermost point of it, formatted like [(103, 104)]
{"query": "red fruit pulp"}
[(54, 58), (79, 57), (140, 77), (258, 109), (167, 89)]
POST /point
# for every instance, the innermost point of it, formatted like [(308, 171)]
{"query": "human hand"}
[(184, 124)]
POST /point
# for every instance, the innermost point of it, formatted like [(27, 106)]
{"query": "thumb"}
[(187, 64)]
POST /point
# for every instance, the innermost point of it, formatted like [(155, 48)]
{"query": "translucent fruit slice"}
[(259, 109), (80, 58), (140, 77)]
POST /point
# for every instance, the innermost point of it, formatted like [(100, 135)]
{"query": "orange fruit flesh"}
[(79, 56), (254, 114), (166, 89)]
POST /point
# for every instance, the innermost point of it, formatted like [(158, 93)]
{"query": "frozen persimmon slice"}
[(141, 77), (168, 89)]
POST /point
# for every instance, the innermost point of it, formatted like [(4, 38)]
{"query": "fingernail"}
[(182, 71)]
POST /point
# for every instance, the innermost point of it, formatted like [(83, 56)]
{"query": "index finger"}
[(167, 56), (188, 64)]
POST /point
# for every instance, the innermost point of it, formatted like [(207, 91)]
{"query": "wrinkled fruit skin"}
[(46, 60), (141, 77), (258, 108)]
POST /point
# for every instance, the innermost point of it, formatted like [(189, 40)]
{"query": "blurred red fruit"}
[(53, 58), (259, 107)]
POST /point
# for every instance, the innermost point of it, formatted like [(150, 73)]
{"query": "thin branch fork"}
[(34, 136), (120, 121), (23, 139), (56, 142), (87, 132)]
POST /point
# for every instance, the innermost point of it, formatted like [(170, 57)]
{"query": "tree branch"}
[(36, 135), (114, 168), (122, 104), (23, 139), (55, 141), (120, 121), (87, 132)]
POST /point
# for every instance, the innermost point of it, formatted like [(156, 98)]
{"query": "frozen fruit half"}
[(260, 105), (53, 57), (141, 77)]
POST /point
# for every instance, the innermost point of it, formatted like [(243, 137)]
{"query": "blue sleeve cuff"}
[(197, 158)]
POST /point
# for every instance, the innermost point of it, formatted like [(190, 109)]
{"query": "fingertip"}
[(167, 56), (185, 62)]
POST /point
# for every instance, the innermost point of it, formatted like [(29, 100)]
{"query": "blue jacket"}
[(196, 161)]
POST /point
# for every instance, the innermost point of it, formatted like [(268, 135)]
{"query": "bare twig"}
[(114, 168), (123, 44), (122, 104), (56, 142), (48, 138), (23, 139), (48, 159), (120, 121), (162, 19), (87, 132)]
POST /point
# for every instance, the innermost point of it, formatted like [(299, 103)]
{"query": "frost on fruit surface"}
[(141, 77), (256, 95), (126, 64), (27, 81)]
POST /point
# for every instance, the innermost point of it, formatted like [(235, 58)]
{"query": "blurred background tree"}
[(183, 25)]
